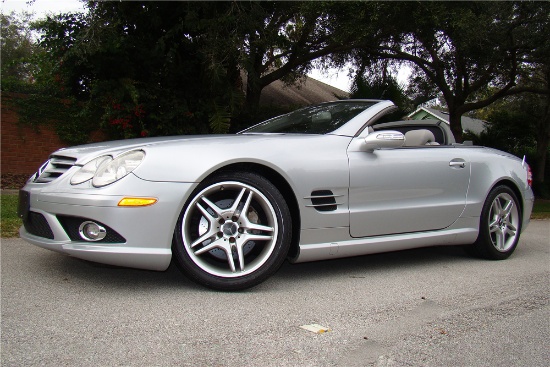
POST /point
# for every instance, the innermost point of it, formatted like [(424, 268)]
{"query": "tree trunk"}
[(541, 156), (253, 91), (543, 141), (455, 121)]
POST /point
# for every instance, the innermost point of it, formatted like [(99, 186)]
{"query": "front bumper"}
[(140, 237)]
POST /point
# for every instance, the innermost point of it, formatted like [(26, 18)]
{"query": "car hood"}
[(191, 158), (115, 146), (88, 151), (84, 153)]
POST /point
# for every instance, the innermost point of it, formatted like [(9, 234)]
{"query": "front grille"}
[(72, 224), (37, 225), (55, 167)]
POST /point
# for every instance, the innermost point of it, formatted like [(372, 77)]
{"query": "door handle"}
[(459, 164)]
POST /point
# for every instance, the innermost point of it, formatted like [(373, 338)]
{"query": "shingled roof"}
[(309, 92)]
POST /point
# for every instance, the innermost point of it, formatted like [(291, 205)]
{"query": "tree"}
[(385, 87), (141, 66), (18, 49), (520, 124), (183, 62), (281, 40), (543, 132), (474, 53)]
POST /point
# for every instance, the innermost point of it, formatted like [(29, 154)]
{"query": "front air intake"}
[(37, 225)]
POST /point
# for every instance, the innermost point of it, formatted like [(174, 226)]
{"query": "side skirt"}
[(463, 232)]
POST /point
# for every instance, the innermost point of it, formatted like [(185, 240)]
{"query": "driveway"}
[(426, 307)]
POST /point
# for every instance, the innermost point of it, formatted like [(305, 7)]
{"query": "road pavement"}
[(425, 307)]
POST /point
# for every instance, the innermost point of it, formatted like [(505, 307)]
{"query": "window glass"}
[(321, 119)]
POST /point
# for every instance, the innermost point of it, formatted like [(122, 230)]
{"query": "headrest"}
[(418, 137)]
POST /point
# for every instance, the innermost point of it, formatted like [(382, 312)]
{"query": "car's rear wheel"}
[(500, 225), (234, 232)]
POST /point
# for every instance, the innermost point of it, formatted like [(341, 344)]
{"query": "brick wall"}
[(25, 148)]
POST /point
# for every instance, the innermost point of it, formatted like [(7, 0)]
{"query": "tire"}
[(233, 233), (499, 226)]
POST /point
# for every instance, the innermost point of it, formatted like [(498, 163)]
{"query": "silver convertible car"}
[(322, 182)]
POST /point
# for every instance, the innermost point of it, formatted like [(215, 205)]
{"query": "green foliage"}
[(10, 222), (509, 130), (165, 68), (282, 40), (378, 88), (66, 115), (17, 49), (145, 68), (521, 125), (541, 209), (220, 120), (473, 53), (182, 63), (26, 68), (542, 190), (30, 70)]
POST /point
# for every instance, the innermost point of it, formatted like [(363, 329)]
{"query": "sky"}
[(42, 7), (335, 77)]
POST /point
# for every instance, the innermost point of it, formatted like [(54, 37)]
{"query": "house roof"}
[(310, 92), (307, 92), (474, 125)]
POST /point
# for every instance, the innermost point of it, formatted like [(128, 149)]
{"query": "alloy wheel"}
[(229, 229)]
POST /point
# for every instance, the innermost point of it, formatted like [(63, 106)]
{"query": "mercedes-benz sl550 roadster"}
[(328, 181)]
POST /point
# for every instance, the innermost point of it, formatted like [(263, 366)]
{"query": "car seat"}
[(419, 137)]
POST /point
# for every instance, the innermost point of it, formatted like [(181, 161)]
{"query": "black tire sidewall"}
[(282, 245)]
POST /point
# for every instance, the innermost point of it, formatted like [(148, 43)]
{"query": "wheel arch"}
[(284, 188)]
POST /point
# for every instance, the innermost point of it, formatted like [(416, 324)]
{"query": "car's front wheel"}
[(234, 232), (500, 225)]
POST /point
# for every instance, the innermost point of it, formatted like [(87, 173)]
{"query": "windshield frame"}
[(321, 119)]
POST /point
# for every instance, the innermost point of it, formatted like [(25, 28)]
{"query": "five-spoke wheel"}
[(500, 225), (504, 222), (234, 231)]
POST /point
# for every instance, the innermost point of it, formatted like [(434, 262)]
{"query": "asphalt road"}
[(427, 307)]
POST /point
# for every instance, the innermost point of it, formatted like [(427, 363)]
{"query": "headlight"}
[(116, 169), (88, 171)]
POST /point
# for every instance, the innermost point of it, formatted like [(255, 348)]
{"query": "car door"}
[(407, 189)]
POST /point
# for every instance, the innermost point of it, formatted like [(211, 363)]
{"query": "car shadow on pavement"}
[(368, 265), (66, 269), (69, 269)]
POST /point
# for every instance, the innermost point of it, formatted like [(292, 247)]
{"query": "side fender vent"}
[(323, 200)]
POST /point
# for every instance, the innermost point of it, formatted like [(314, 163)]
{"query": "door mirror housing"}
[(383, 139)]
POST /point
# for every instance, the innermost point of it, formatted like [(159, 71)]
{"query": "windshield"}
[(320, 119)]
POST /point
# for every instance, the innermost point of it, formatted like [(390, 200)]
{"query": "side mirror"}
[(383, 139)]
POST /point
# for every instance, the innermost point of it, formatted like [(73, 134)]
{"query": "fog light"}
[(90, 231)]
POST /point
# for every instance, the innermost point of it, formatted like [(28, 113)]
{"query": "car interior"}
[(419, 132)]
